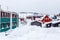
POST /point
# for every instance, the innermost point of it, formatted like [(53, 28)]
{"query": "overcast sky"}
[(41, 6)]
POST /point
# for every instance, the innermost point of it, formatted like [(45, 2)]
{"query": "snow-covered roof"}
[(8, 11), (56, 21), (58, 17), (43, 17), (5, 11)]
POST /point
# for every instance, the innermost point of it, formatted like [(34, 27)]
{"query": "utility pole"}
[(11, 21), (0, 7), (6, 33), (7, 8)]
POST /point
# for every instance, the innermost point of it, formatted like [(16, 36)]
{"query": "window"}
[(8, 15), (7, 25), (2, 25), (1, 14), (29, 17), (14, 23), (21, 19), (5, 14), (13, 15), (46, 18)]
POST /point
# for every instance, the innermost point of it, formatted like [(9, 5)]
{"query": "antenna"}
[(7, 8), (0, 14)]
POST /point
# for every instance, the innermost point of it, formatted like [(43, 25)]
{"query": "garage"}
[(36, 23), (48, 25), (56, 24)]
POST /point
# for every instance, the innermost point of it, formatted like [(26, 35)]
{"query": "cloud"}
[(44, 6)]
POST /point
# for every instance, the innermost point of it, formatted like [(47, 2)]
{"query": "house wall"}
[(0, 19), (56, 24), (46, 19), (5, 21)]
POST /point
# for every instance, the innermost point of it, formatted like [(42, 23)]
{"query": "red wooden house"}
[(46, 19), (21, 19)]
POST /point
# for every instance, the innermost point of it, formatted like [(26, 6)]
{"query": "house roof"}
[(43, 17), (56, 21), (8, 11)]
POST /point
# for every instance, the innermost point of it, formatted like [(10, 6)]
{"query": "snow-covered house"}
[(46, 21), (56, 23), (42, 21), (53, 23), (58, 16)]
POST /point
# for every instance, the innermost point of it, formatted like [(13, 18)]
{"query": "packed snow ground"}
[(28, 32)]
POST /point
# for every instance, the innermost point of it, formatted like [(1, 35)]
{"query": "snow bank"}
[(28, 32)]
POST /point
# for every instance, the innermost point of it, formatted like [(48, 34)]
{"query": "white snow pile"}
[(28, 32)]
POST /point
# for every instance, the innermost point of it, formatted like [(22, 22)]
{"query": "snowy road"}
[(28, 32)]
